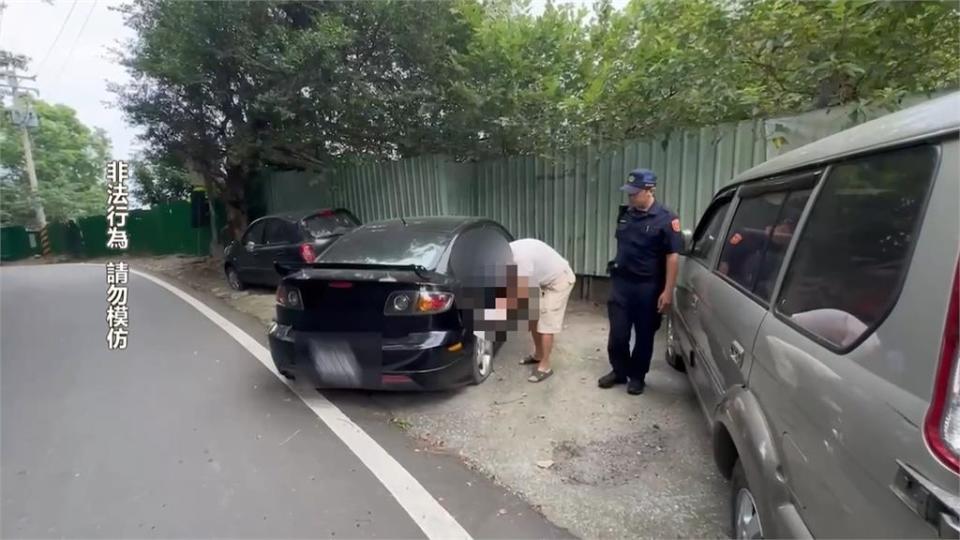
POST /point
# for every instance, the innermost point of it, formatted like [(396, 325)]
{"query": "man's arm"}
[(666, 297), (674, 242)]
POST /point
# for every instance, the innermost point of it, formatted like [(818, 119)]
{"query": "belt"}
[(633, 277)]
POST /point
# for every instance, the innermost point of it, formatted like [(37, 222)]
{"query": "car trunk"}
[(353, 300)]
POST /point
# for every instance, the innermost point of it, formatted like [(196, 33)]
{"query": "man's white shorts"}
[(553, 303)]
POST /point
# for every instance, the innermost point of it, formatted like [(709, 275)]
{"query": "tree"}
[(228, 88), (666, 64), (563, 79), (158, 180), (524, 78), (69, 159)]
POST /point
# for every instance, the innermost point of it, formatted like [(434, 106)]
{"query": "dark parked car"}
[(390, 306), (290, 240)]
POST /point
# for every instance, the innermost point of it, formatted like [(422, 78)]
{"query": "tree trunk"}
[(216, 242), (235, 202)]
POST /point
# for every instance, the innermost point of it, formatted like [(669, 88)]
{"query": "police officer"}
[(643, 274)]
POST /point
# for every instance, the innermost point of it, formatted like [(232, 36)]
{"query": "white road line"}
[(432, 518)]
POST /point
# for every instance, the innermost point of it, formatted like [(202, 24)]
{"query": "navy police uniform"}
[(644, 239)]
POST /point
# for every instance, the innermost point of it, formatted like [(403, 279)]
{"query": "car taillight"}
[(288, 296), (941, 428), (417, 302), (307, 253)]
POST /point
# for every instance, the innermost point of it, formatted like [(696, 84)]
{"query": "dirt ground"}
[(600, 463)]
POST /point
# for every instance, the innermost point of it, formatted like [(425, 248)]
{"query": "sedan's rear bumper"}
[(428, 361)]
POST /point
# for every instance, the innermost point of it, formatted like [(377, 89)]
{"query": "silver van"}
[(816, 315)]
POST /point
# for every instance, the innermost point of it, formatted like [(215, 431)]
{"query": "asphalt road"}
[(186, 434)]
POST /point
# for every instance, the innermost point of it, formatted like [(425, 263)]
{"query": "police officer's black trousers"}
[(632, 305)]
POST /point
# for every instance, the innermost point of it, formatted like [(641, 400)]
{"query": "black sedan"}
[(290, 240), (393, 305)]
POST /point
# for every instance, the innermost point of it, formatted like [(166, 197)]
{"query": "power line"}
[(63, 25), (75, 40)]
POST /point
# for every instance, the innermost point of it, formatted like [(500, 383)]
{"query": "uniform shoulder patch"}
[(675, 224), (735, 239)]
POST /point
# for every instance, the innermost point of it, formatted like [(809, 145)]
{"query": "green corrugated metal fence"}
[(94, 230), (165, 229), (422, 186), (14, 243), (162, 230), (570, 199)]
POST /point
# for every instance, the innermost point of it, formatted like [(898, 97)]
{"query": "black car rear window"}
[(321, 225), (389, 245)]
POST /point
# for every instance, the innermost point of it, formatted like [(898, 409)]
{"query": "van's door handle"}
[(736, 353), (694, 300)]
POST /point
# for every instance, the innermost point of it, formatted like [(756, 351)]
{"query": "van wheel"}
[(674, 360), (233, 278), (482, 360), (745, 514)]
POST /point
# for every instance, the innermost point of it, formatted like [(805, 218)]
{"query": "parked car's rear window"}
[(279, 231), (388, 245), (321, 225), (855, 249)]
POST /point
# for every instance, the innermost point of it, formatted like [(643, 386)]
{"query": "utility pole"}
[(22, 115)]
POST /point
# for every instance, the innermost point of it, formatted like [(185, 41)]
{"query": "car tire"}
[(482, 360), (233, 279), (745, 520)]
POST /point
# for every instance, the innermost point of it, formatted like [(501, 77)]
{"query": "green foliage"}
[(69, 159), (569, 77), (228, 88), (524, 80), (158, 181)]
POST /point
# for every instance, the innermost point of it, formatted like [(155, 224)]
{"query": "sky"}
[(74, 68), (68, 43)]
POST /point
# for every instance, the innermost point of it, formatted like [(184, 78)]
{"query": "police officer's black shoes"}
[(610, 379), (635, 387)]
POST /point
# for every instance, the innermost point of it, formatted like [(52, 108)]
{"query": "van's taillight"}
[(942, 425), (307, 253)]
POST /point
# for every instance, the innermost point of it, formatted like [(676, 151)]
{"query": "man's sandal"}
[(538, 375), (529, 359)]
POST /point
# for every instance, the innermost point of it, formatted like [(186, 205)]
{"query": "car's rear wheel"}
[(673, 358), (745, 515), (482, 359), (233, 278)]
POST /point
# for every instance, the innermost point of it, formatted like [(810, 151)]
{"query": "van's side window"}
[(854, 250), (709, 231), (778, 240), (758, 238)]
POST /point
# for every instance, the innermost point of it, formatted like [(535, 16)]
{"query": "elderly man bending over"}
[(545, 277)]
